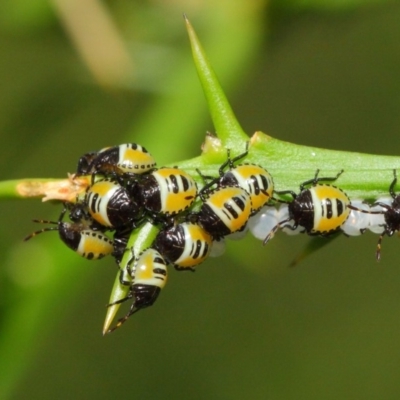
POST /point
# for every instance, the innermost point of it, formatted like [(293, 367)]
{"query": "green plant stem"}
[(9, 189)]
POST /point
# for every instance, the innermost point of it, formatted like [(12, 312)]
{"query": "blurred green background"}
[(79, 75)]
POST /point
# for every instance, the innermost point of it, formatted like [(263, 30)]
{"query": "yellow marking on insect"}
[(167, 172), (96, 245), (239, 222), (138, 157), (176, 202), (196, 232), (100, 219), (144, 269), (221, 196), (191, 262), (248, 170), (102, 187), (326, 225), (330, 192)]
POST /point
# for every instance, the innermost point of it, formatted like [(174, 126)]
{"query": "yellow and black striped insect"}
[(112, 205), (126, 159), (184, 245), (167, 191), (225, 210), (256, 180), (149, 275), (320, 210), (79, 237)]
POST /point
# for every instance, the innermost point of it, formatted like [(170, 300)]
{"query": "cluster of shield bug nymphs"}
[(127, 189)]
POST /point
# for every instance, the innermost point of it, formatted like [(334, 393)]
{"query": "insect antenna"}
[(42, 221), (122, 320), (45, 221)]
